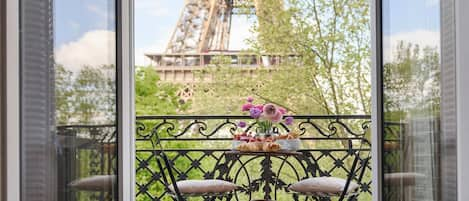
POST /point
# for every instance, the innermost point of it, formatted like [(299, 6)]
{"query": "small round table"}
[(267, 174)]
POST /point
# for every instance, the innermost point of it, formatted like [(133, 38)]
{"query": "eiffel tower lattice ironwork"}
[(205, 25), (203, 33)]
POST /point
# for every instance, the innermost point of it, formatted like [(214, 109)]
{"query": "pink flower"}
[(272, 113), (260, 107), (250, 99), (282, 110), (246, 107), (269, 110), (277, 117)]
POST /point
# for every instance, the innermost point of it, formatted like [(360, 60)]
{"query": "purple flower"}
[(242, 124), (289, 120), (255, 112), (250, 99)]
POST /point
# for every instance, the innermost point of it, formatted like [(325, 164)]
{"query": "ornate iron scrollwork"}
[(197, 152)]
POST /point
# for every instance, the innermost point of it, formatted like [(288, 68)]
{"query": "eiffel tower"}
[(201, 33), (205, 25)]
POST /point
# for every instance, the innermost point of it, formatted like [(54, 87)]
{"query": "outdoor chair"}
[(180, 190), (327, 187)]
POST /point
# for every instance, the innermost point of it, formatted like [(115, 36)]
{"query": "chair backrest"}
[(355, 169), (164, 164)]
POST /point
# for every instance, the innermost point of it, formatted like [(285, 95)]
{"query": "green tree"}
[(412, 80), (325, 49), (95, 97), (153, 97), (63, 95), (85, 97), (89, 97)]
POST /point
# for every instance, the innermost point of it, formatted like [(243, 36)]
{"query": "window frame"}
[(126, 101), (11, 80), (11, 130), (125, 50), (462, 94), (462, 81), (2, 96), (376, 99)]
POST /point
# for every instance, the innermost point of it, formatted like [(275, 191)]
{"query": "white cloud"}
[(423, 38), (153, 8), (94, 48)]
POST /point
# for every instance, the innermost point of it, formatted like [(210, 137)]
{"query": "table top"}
[(265, 153)]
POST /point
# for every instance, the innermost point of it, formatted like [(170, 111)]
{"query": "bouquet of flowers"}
[(266, 116)]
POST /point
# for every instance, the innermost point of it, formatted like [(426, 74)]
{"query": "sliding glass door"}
[(68, 93), (417, 100)]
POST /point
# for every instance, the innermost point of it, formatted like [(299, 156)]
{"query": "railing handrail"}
[(162, 117), (220, 117)]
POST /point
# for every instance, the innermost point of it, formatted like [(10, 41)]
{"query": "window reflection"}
[(68, 93), (85, 96), (411, 84)]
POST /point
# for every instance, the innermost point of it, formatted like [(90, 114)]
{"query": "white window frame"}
[(12, 135), (462, 81), (462, 91), (2, 81), (125, 102)]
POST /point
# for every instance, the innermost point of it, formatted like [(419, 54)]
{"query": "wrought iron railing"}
[(84, 151), (196, 145)]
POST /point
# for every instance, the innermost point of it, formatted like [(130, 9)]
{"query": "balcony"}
[(196, 147)]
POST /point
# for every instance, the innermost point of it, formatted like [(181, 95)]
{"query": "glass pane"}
[(68, 100), (411, 84)]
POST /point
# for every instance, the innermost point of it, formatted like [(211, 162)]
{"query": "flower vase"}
[(265, 133)]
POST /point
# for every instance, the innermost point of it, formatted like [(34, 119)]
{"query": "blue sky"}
[(154, 23), (83, 26), (155, 20), (409, 15), (74, 18), (415, 21)]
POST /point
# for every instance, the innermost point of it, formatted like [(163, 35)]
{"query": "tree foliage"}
[(89, 95), (325, 49), (85, 97), (412, 82), (155, 98)]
